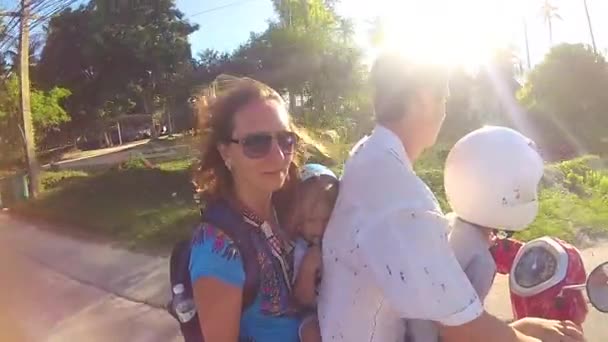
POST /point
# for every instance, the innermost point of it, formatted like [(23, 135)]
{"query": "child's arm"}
[(306, 279), (472, 251), (481, 272)]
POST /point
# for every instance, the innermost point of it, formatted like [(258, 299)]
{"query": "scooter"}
[(547, 279)]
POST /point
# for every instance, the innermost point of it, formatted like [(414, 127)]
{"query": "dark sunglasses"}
[(258, 145)]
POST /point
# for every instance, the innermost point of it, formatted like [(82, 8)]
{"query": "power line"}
[(41, 11), (53, 8), (213, 9)]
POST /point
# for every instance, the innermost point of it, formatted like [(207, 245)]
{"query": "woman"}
[(248, 161)]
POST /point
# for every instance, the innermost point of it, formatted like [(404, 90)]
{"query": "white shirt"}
[(472, 250), (386, 255)]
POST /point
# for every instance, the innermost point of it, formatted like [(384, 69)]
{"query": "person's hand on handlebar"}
[(549, 330)]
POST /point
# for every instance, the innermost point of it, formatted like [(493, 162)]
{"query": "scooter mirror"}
[(597, 287)]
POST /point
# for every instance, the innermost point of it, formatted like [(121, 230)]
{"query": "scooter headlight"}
[(539, 265), (536, 266)]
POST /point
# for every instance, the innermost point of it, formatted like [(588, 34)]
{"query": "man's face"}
[(432, 111)]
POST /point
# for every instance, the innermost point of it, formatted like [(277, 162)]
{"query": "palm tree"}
[(377, 31), (346, 29), (549, 13), (590, 26)]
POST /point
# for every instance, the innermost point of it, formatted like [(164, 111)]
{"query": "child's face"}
[(311, 218), (313, 225)]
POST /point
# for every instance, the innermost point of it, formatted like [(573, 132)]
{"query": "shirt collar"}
[(388, 140)]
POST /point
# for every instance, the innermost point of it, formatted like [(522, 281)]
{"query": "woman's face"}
[(255, 162)]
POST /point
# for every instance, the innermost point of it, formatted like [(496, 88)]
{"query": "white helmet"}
[(491, 178)]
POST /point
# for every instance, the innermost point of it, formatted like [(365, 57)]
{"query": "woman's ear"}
[(224, 153)]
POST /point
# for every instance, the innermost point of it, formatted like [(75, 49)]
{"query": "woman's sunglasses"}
[(258, 145)]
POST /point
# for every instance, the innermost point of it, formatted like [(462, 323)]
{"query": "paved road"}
[(46, 296), (596, 325), (110, 156), (59, 289)]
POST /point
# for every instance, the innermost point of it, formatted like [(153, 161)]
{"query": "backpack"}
[(221, 215)]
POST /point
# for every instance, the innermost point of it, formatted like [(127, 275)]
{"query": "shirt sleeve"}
[(215, 255), (413, 264), (481, 275)]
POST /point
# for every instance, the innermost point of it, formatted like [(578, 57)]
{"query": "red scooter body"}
[(538, 272)]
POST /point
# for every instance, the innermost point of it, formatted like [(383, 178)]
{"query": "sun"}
[(454, 33)]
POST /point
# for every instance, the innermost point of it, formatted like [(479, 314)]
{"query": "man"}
[(385, 250)]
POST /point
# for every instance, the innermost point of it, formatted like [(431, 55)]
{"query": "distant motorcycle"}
[(547, 279)]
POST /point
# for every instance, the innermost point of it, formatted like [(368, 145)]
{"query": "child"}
[(491, 181), (317, 193)]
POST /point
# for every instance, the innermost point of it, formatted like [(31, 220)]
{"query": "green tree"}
[(310, 56), (485, 97), (48, 115), (568, 91), (127, 58)]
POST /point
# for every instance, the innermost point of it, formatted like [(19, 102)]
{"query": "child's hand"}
[(308, 277), (312, 260)]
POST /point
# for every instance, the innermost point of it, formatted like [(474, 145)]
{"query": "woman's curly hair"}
[(216, 122)]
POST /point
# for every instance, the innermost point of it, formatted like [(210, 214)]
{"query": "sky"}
[(225, 24), (225, 28)]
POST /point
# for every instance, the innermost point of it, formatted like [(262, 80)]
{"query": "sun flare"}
[(455, 33)]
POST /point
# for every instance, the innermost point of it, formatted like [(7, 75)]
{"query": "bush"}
[(135, 162), (434, 179), (552, 177), (54, 179), (433, 158), (580, 166), (573, 196), (603, 186)]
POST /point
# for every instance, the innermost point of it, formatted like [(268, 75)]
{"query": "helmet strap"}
[(503, 234)]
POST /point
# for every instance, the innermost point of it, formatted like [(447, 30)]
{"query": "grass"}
[(146, 208), (151, 208), (573, 197)]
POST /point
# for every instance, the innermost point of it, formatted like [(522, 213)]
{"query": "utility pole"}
[(27, 127), (590, 27), (26, 112), (527, 43)]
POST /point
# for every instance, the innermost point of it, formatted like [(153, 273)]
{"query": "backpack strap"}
[(221, 215)]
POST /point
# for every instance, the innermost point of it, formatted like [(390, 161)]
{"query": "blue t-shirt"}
[(215, 255)]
